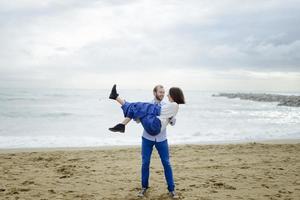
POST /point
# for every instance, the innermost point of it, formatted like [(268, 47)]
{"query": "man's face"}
[(159, 94)]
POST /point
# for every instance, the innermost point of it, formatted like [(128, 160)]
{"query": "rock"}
[(284, 100)]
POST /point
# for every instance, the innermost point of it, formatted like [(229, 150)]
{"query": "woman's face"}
[(170, 98)]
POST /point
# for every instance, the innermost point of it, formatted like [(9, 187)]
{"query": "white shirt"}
[(168, 110)]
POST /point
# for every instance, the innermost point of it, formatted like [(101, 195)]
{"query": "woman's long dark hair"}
[(177, 95)]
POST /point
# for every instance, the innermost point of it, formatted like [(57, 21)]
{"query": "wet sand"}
[(269, 170)]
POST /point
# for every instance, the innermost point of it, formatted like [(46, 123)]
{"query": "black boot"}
[(118, 128), (113, 93)]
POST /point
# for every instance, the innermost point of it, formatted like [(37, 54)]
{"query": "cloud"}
[(52, 41)]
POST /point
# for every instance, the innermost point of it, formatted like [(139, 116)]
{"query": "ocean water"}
[(81, 118)]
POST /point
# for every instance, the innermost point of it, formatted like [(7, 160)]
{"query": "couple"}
[(154, 117)]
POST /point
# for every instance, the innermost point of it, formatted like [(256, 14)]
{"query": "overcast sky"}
[(194, 44)]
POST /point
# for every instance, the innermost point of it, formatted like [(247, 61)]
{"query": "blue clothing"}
[(163, 133), (163, 151), (146, 113)]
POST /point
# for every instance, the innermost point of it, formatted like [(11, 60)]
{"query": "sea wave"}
[(34, 115), (18, 99)]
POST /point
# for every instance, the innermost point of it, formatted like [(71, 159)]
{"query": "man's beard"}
[(158, 98)]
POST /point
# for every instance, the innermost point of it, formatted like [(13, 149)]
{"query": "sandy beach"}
[(256, 170)]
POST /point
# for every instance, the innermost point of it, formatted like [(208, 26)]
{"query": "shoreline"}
[(120, 147)]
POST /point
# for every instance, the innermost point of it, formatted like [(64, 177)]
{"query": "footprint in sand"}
[(244, 167), (66, 170), (51, 191), (17, 190), (74, 159), (28, 183), (220, 185)]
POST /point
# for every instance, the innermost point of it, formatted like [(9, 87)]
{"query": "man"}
[(161, 144)]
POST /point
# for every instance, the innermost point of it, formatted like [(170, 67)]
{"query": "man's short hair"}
[(157, 87)]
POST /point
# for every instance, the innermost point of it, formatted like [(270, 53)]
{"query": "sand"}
[(204, 172)]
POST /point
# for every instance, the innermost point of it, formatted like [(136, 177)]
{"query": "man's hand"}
[(172, 121), (137, 120)]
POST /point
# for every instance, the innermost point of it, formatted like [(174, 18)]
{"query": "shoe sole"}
[(116, 130)]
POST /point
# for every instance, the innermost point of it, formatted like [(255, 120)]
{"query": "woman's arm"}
[(169, 110)]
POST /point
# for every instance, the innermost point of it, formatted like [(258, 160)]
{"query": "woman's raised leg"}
[(121, 101), (126, 120), (115, 96)]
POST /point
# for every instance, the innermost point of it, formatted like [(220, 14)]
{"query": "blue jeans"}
[(163, 151)]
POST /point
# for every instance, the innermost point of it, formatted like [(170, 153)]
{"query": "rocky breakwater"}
[(284, 100)]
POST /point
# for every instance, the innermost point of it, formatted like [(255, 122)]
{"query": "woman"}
[(153, 117)]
